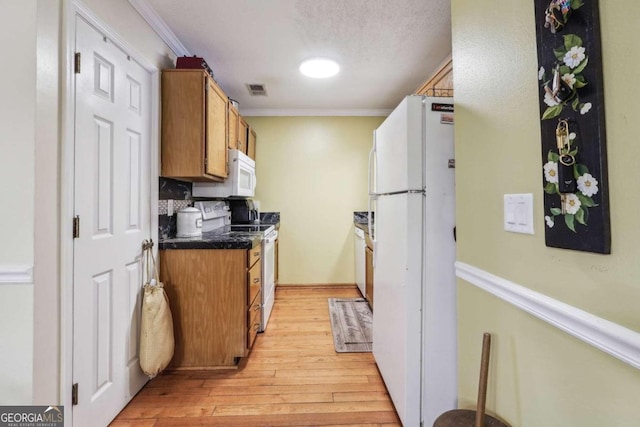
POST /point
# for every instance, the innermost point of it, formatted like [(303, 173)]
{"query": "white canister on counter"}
[(189, 222)]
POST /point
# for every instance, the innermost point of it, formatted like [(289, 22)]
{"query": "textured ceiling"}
[(386, 48)]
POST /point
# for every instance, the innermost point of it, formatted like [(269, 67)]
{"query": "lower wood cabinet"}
[(214, 295), (368, 277)]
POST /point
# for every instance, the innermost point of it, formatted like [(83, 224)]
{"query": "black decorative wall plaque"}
[(574, 157)]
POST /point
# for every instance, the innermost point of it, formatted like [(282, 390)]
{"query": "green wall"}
[(541, 376), (313, 170)]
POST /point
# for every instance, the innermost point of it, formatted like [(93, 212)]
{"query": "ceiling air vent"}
[(257, 89)]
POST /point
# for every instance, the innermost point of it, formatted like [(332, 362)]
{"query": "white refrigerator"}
[(411, 186)]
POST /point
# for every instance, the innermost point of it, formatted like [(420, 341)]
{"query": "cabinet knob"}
[(256, 327), (256, 280), (256, 254)]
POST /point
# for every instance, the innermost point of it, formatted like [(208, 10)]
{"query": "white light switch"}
[(518, 213)]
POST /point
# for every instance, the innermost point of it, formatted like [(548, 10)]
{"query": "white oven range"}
[(269, 235)]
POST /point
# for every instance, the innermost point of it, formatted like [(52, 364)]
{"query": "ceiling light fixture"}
[(319, 68)]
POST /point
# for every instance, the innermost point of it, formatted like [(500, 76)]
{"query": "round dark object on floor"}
[(465, 418)]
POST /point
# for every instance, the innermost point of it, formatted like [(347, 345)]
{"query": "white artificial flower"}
[(551, 172), (587, 185), (549, 221), (572, 203), (574, 57), (585, 108), (540, 73), (569, 79), (549, 100), (572, 136)]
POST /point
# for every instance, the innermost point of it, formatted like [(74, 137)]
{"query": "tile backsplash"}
[(163, 205), (180, 193)]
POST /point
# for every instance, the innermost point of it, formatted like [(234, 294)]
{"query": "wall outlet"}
[(518, 213)]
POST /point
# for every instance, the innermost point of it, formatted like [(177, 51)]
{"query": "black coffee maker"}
[(243, 211)]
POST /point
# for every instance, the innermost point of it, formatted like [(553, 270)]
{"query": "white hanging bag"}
[(156, 326)]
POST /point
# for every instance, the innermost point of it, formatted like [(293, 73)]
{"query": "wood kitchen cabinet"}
[(368, 276), (440, 83), (194, 126), (214, 295), (232, 127), (251, 143), (243, 135)]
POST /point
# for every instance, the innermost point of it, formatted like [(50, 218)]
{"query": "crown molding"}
[(248, 112), (612, 338), (159, 26), (16, 274)]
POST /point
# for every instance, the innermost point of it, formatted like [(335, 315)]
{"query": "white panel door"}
[(112, 200)]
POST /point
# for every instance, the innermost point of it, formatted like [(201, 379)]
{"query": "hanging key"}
[(566, 180)]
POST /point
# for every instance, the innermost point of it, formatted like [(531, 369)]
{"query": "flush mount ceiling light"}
[(319, 68)]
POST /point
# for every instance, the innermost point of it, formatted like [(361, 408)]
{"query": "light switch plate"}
[(518, 213), (170, 207)]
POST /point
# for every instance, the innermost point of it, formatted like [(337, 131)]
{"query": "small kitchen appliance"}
[(189, 222), (215, 214), (241, 181), (243, 211)]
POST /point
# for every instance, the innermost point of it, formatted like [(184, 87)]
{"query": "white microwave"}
[(241, 181)]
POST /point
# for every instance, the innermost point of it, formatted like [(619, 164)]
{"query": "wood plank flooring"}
[(293, 377)]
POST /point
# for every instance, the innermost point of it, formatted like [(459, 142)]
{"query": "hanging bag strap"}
[(151, 268)]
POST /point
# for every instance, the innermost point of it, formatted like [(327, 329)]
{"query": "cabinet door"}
[(251, 144), (243, 130), (276, 256), (216, 128), (207, 292), (232, 127), (183, 124), (369, 276)]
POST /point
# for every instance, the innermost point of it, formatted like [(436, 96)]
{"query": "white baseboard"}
[(616, 340), (16, 274)]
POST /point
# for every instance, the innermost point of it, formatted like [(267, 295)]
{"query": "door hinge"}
[(74, 394), (76, 226), (77, 63)]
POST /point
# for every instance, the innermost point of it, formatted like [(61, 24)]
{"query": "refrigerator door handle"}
[(371, 182), (370, 224)]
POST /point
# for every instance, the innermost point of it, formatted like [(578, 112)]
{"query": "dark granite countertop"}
[(220, 239), (215, 239), (360, 220)]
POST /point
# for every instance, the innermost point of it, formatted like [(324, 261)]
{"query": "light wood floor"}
[(293, 377)]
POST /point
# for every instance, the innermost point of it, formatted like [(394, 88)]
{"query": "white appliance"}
[(215, 214), (268, 275), (241, 181), (189, 223), (414, 313), (359, 255)]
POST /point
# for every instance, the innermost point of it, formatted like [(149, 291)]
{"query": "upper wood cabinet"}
[(251, 143), (440, 83), (194, 126), (232, 127), (243, 130)]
